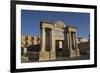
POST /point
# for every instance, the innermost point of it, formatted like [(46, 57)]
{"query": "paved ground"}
[(82, 57)]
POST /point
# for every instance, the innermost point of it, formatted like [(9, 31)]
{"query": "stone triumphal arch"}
[(57, 40)]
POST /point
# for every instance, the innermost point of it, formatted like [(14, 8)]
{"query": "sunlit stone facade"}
[(57, 39)]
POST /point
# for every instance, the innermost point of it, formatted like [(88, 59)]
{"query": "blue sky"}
[(30, 21)]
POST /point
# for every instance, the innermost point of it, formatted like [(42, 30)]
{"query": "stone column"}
[(72, 51), (44, 55), (68, 41), (77, 49), (52, 52), (43, 40), (52, 41), (74, 41), (67, 45)]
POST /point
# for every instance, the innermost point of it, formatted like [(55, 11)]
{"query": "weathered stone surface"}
[(73, 53), (52, 55), (44, 56), (78, 52)]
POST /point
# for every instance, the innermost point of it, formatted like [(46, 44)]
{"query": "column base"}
[(52, 55), (78, 52), (44, 56), (74, 53)]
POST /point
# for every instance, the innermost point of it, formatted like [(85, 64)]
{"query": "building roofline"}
[(70, 26)]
